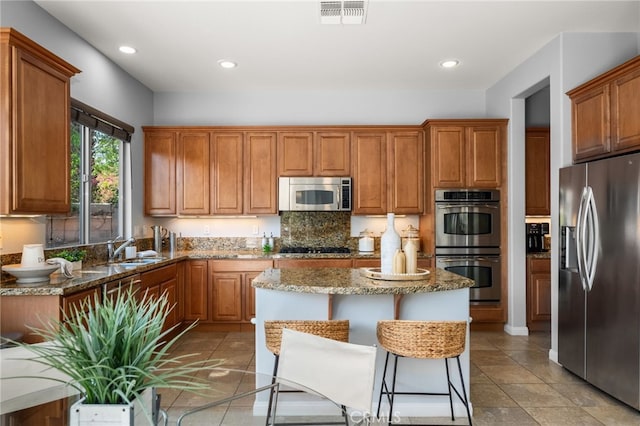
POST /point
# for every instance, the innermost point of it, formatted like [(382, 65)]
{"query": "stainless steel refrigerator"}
[(599, 277)]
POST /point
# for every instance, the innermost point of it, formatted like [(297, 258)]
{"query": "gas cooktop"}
[(289, 250)]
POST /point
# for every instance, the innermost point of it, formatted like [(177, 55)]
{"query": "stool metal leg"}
[(393, 387), (464, 392), (384, 389), (272, 390), (449, 386)]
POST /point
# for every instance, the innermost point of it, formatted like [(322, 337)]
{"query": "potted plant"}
[(115, 352), (73, 255)]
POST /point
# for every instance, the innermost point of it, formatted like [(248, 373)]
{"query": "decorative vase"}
[(411, 253), (399, 262), (389, 243)]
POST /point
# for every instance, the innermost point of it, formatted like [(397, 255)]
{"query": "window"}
[(100, 180)]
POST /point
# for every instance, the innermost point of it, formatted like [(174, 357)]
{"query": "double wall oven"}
[(467, 225)]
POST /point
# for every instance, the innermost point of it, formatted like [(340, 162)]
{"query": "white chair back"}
[(342, 372)]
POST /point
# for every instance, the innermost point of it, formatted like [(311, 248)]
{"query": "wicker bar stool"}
[(330, 329), (422, 340)]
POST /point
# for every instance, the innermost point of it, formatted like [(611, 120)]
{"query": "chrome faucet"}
[(112, 252)]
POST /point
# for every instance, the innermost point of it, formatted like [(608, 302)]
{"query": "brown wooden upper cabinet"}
[(311, 153), (193, 173), (369, 165), (605, 113), (35, 114), (405, 177), (388, 171), (466, 153), (208, 172), (160, 153), (537, 180), (260, 178)]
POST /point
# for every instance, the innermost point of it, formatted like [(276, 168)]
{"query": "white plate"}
[(30, 274)]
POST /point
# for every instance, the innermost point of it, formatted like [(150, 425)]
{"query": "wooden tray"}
[(376, 274)]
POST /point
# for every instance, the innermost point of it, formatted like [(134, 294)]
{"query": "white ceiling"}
[(280, 45)]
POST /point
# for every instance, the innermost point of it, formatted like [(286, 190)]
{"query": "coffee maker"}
[(535, 236)]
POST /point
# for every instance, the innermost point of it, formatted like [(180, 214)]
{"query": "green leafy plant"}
[(72, 255), (113, 350)]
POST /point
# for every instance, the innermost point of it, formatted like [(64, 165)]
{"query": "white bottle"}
[(411, 254), (399, 262), (389, 243)]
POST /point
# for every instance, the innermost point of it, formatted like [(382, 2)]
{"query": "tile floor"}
[(512, 383)]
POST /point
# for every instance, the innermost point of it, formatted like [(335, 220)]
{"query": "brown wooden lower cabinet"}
[(219, 295), (162, 281), (196, 290), (538, 294)]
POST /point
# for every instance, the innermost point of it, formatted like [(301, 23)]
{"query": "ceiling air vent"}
[(342, 12)]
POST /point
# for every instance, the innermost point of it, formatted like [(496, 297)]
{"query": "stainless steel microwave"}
[(314, 194)]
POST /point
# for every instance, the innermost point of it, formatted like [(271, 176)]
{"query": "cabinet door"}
[(249, 296), (448, 156), (260, 178), (537, 181), (196, 291), (539, 294), (40, 136), (192, 173), (170, 290), (226, 296), (226, 170), (625, 111), (484, 156), (181, 275), (75, 301), (369, 166), (160, 173), (295, 154), (332, 154), (590, 123), (406, 172)]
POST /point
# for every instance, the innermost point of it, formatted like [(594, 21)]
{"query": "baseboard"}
[(516, 331)]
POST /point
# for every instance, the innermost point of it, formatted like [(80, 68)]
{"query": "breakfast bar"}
[(351, 293)]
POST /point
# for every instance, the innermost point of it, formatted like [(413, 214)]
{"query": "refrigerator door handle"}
[(580, 238), (592, 250)]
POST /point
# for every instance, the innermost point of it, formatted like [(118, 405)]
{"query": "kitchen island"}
[(346, 293)]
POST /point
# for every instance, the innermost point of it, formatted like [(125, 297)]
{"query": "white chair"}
[(342, 372)]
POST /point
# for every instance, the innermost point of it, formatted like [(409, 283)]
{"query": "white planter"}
[(81, 414)]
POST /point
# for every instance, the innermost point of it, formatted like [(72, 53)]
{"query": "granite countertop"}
[(352, 281), (94, 275)]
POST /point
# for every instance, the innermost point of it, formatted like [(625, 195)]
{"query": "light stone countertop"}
[(352, 281)]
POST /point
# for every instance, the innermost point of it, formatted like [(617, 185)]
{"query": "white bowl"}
[(30, 274)]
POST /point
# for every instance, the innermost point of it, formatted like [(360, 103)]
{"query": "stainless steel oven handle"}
[(469, 206), (465, 259)]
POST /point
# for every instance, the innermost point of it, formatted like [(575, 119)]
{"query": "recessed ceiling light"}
[(226, 63), (128, 50), (450, 63)]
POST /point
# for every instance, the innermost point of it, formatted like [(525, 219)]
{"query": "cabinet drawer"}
[(156, 276), (240, 265), (539, 265)]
